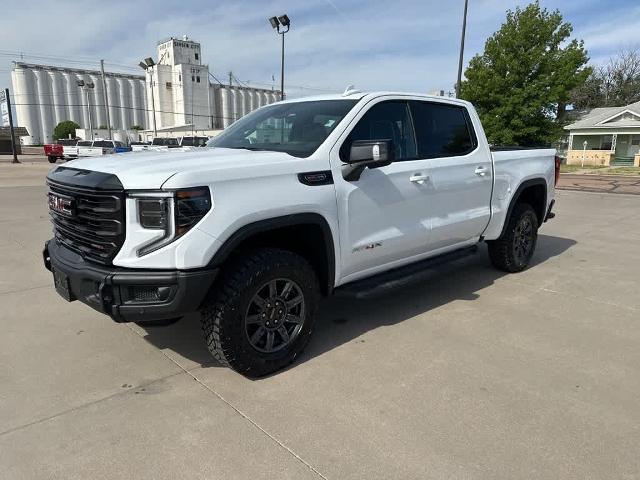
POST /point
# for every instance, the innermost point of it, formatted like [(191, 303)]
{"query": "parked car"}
[(71, 151), (359, 194), (193, 141), (55, 151), (99, 147)]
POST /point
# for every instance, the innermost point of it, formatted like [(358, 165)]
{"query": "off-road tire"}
[(224, 310), (502, 251)]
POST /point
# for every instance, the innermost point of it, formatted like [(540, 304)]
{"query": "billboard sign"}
[(4, 110)]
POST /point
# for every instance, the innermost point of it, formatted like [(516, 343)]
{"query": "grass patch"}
[(600, 170), (564, 168)]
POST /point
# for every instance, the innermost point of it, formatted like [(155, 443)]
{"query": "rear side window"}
[(389, 120), (442, 130)]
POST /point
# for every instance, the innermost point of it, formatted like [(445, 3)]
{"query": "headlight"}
[(174, 213)]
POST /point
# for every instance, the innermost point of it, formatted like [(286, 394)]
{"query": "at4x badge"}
[(368, 246)]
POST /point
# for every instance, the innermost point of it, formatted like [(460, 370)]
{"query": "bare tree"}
[(614, 84)]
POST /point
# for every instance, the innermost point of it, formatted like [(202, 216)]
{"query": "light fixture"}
[(149, 61), (274, 22), (284, 20), (143, 65)]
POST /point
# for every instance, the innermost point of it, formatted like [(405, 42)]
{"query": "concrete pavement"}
[(473, 374)]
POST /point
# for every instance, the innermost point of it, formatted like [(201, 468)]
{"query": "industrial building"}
[(174, 97), (45, 95)]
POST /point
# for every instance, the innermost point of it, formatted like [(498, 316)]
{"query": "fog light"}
[(147, 294)]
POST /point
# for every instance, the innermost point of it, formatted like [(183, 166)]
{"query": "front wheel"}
[(512, 252), (52, 159), (260, 315)]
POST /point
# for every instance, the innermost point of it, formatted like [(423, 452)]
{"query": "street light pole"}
[(282, 69), (147, 64), (464, 30), (153, 105), (86, 86), (284, 22)]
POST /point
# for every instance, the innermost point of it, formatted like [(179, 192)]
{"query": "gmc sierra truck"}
[(355, 193)]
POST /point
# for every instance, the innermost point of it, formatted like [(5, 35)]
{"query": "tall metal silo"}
[(25, 99), (45, 95), (124, 101), (60, 112), (72, 97), (96, 99)]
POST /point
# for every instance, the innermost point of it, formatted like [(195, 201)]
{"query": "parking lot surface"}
[(472, 374)]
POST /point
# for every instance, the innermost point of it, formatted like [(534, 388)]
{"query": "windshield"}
[(296, 128)]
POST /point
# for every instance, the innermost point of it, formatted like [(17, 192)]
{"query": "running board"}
[(400, 277)]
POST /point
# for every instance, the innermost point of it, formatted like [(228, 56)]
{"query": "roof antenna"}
[(350, 90)]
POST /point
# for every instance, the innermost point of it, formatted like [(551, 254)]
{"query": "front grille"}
[(95, 226)]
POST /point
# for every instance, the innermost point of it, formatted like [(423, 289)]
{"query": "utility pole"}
[(13, 134), (105, 97), (464, 29)]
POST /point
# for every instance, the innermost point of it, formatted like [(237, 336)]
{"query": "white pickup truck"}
[(355, 193)]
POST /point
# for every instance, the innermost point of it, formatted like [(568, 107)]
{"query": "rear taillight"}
[(558, 162)]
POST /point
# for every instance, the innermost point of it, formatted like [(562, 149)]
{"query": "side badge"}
[(368, 246)]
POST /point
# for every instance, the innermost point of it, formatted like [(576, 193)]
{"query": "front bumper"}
[(128, 295)]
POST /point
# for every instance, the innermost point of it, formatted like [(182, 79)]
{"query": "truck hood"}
[(151, 170)]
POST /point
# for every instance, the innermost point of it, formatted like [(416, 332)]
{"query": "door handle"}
[(481, 171), (418, 178)]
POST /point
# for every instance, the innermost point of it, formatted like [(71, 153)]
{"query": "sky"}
[(408, 45)]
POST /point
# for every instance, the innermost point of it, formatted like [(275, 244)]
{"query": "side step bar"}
[(400, 277)]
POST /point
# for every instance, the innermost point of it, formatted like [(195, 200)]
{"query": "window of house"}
[(198, 79), (389, 120), (441, 130), (197, 56), (606, 142), (193, 78), (169, 85), (179, 77)]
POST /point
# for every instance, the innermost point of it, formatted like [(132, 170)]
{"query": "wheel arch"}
[(307, 234), (532, 191)]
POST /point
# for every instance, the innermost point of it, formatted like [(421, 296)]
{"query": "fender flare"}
[(514, 199), (261, 226)]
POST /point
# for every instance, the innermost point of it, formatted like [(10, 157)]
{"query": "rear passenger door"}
[(460, 172)]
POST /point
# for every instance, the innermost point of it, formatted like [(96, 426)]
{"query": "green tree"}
[(136, 127), (64, 129), (521, 84)]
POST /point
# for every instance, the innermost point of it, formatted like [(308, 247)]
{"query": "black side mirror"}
[(368, 153)]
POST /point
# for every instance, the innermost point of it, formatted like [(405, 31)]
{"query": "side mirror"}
[(367, 153), (372, 153)]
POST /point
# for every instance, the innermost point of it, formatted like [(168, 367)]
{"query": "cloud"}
[(375, 44)]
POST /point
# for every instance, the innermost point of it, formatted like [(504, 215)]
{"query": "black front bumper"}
[(128, 295)]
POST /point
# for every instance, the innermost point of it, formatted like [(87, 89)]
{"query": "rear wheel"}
[(261, 314), (512, 252), (52, 159)]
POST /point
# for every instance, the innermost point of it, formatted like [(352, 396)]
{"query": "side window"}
[(388, 120), (442, 130)]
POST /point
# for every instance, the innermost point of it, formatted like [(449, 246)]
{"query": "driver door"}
[(384, 215)]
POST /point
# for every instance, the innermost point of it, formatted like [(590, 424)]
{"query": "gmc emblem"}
[(61, 204)]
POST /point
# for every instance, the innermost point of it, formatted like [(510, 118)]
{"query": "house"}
[(606, 136)]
